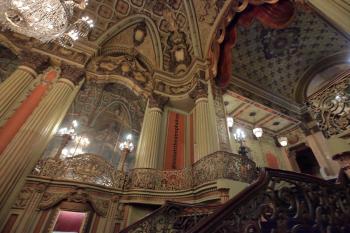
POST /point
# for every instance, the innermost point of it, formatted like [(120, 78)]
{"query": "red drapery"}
[(275, 16)]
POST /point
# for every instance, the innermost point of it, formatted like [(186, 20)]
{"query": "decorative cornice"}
[(72, 73), (35, 61)]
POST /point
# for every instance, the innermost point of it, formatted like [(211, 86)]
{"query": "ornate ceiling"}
[(276, 59), (165, 46)]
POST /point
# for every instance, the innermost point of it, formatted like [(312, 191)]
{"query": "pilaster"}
[(28, 144), (147, 152), (20, 80)]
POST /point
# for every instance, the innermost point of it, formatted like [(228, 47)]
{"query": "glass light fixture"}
[(229, 122), (283, 141), (45, 20), (258, 132)]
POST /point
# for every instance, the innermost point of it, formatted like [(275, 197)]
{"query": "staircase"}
[(172, 217), (278, 202)]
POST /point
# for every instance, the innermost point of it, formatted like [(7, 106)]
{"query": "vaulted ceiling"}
[(276, 59)]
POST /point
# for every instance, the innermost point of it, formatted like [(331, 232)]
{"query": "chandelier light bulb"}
[(239, 135), (63, 131), (258, 132), (127, 144), (283, 141), (75, 123), (65, 152)]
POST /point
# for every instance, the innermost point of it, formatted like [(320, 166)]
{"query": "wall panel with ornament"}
[(105, 114)]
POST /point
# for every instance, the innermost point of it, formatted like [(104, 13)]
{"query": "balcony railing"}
[(93, 169), (330, 106), (282, 201)]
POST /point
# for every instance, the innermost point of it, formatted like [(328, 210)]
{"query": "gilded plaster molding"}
[(128, 22), (50, 200)]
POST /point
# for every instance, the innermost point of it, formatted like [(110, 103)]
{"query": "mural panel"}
[(101, 117)]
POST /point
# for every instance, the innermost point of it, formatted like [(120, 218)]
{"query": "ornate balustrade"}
[(330, 106), (282, 201), (87, 168), (93, 169)]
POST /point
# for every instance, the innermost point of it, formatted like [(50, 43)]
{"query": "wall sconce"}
[(126, 147)]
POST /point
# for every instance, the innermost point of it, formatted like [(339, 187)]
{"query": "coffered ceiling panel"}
[(276, 59), (272, 121)]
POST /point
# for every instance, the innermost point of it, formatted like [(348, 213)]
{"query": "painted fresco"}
[(105, 113)]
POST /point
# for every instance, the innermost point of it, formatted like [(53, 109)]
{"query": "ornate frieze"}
[(35, 61), (72, 73), (93, 169), (131, 66)]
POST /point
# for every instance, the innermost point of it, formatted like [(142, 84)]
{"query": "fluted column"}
[(147, 152), (19, 81), (22, 152), (204, 137)]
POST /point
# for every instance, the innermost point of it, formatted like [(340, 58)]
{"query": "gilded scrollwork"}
[(87, 168), (285, 202), (330, 106), (51, 199)]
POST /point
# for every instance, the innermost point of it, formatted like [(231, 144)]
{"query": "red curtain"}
[(275, 16)]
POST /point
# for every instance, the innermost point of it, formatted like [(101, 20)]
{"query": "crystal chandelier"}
[(45, 20)]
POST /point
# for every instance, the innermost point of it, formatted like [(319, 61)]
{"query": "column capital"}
[(157, 101), (72, 73), (35, 61), (200, 91)]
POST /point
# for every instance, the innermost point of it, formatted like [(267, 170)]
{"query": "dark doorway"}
[(306, 160)]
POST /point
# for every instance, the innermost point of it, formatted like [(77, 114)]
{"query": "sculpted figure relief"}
[(126, 65)]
